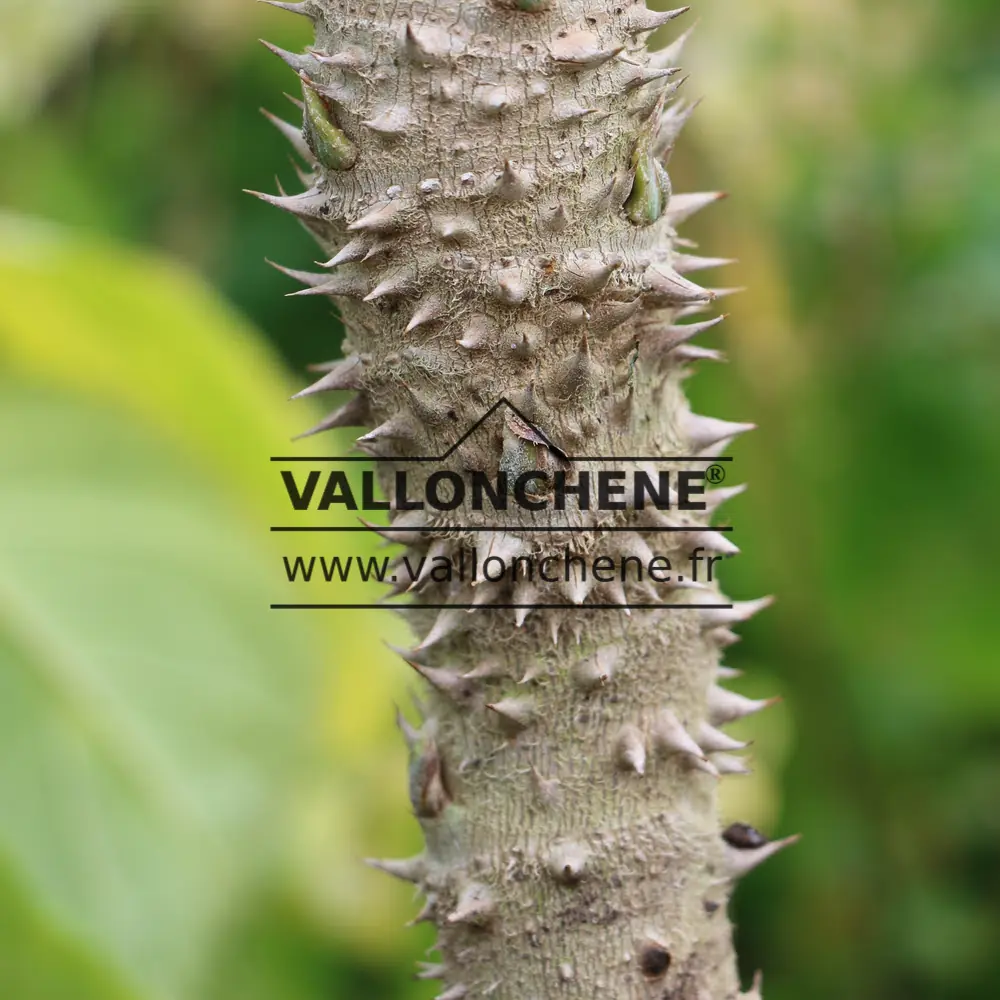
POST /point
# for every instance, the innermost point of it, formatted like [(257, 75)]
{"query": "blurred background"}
[(188, 783)]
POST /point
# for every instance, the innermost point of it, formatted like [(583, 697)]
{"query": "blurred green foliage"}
[(861, 145)]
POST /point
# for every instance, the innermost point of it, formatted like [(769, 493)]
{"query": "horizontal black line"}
[(504, 528), (569, 458), (497, 607)]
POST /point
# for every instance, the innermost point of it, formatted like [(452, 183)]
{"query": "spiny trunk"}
[(488, 180)]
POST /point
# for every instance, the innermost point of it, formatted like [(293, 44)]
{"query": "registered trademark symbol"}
[(715, 474)]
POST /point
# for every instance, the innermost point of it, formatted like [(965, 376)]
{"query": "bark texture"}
[(488, 179)]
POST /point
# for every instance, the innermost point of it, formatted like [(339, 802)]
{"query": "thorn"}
[(351, 57), (669, 736), (511, 286), (514, 183), (741, 611), (426, 44), (307, 205), (567, 863), (727, 764), (609, 316), (685, 263), (391, 123), (429, 970), (667, 287), (756, 987), (713, 740), (379, 247), (630, 750), (426, 915), (410, 735), (351, 252), (714, 499), (351, 285), (392, 429), (398, 283), (455, 686), (515, 714), (642, 75), (354, 413), (496, 99), (670, 126), (710, 541), (595, 671), (310, 278), (305, 9), (728, 706), (387, 217), (457, 992), (301, 64), (475, 906), (488, 670), (689, 353), (556, 220), (577, 588), (568, 111), (579, 50), (293, 134), (702, 432), (634, 546), (525, 593), (408, 869), (741, 861), (682, 206), (347, 375), (616, 594), (457, 229), (658, 344), (396, 534), (429, 308), (588, 275), (671, 54), (446, 623), (547, 788), (534, 671), (724, 638), (479, 329), (640, 19)]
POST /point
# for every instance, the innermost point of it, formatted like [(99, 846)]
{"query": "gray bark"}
[(488, 180)]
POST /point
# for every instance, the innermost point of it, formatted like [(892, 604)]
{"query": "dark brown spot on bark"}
[(654, 960), (743, 836)]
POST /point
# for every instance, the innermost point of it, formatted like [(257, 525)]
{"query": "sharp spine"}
[(740, 611), (669, 736), (630, 750), (514, 713), (580, 50), (713, 740), (475, 906), (407, 869), (681, 207), (354, 413), (728, 706), (640, 19), (429, 308), (741, 861), (347, 375)]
